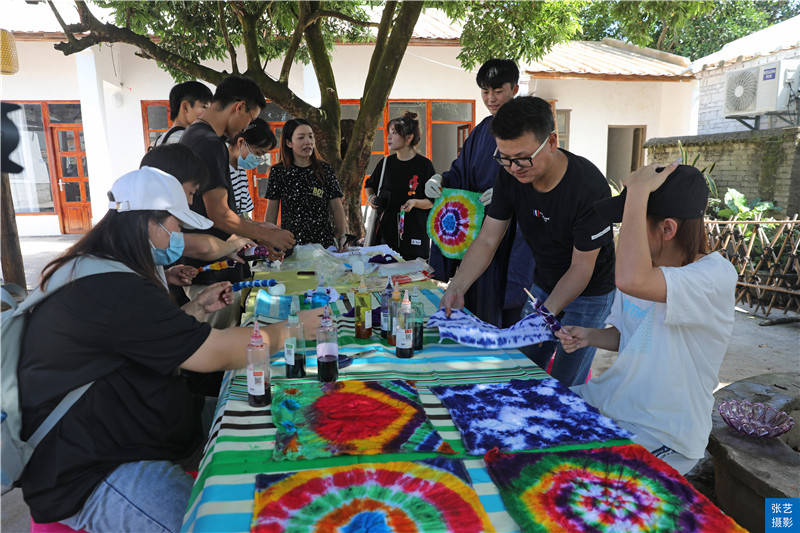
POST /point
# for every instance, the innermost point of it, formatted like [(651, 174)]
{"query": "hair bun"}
[(410, 115)]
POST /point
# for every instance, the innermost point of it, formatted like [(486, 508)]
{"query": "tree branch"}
[(249, 24), (109, 33), (327, 82), (380, 42), (324, 13), (224, 28), (297, 38)]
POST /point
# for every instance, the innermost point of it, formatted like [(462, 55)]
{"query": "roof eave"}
[(608, 76)]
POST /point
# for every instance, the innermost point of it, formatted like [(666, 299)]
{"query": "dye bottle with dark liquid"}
[(386, 309), (294, 348), (404, 332), (327, 349), (419, 319), (258, 392)]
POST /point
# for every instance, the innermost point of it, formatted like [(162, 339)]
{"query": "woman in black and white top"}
[(305, 190), (246, 151)]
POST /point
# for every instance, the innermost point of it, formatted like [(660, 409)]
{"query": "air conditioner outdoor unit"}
[(763, 89)]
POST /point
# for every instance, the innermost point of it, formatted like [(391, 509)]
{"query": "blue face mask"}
[(173, 252), (251, 161)]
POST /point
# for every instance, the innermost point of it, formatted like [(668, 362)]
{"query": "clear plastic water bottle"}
[(258, 390), (327, 348), (294, 348), (363, 312)]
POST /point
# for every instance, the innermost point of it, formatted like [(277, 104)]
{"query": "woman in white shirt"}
[(671, 320)]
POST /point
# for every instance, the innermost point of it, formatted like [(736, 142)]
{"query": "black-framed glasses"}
[(522, 162)]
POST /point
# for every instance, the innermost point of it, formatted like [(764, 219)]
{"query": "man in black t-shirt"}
[(237, 102), (551, 192)]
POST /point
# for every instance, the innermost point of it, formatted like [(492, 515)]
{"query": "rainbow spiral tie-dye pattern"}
[(351, 418), (454, 221), (433, 495), (612, 489)]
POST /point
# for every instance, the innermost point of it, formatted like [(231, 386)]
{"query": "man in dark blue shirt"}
[(475, 170)]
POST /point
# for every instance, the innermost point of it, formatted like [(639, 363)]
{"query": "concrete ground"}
[(753, 350)]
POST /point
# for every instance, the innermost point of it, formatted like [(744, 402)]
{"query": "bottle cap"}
[(256, 339), (406, 305), (326, 317)]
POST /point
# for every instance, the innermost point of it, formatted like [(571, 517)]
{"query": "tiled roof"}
[(608, 57)]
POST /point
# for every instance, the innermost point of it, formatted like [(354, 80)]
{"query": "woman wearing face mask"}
[(109, 464), (402, 193), (305, 190), (245, 152)]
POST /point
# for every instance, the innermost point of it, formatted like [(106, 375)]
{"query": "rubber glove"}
[(433, 187), (486, 197)]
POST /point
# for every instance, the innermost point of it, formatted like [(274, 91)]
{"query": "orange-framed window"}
[(155, 120), (35, 190)]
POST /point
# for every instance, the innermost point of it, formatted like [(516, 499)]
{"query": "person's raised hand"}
[(433, 187), (215, 297), (239, 244), (453, 299), (650, 177), (486, 197), (573, 338), (180, 275), (280, 238)]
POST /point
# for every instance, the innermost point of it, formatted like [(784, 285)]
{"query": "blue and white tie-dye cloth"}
[(524, 415), (469, 330)]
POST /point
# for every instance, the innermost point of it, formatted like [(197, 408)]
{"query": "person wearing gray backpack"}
[(106, 334)]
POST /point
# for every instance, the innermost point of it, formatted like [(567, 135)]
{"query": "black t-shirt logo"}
[(412, 185), (539, 214)]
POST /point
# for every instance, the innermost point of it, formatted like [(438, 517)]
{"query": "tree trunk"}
[(13, 268)]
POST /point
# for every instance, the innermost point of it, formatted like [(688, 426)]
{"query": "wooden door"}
[(72, 175)]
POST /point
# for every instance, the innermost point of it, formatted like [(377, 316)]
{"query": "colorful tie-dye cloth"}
[(351, 418), (433, 495), (454, 221), (524, 415), (617, 488), (469, 330)]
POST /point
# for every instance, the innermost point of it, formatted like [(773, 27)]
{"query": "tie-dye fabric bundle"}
[(455, 220), (524, 415), (351, 418), (612, 489), (433, 495), (469, 330)]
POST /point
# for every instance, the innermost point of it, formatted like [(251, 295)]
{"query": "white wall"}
[(664, 108), (711, 102)]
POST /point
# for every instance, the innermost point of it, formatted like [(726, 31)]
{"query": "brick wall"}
[(711, 98), (760, 164)]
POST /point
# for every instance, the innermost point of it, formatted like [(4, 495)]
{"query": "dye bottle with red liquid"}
[(258, 392)]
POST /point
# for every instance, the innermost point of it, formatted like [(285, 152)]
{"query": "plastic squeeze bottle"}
[(419, 318), (294, 348), (258, 391), (386, 312), (327, 348), (363, 312), (393, 310), (404, 329)]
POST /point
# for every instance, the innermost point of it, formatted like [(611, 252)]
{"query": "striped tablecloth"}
[(242, 438)]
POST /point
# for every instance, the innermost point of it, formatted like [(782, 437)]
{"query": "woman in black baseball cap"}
[(672, 316)]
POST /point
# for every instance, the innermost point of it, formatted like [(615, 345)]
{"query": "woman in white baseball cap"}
[(110, 463)]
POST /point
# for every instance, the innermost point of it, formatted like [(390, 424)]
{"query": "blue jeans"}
[(587, 311), (145, 496)]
